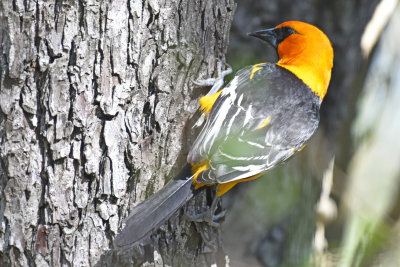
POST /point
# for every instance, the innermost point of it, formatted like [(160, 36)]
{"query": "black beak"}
[(274, 36), (268, 35)]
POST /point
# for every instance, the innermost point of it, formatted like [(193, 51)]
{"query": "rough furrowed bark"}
[(95, 103)]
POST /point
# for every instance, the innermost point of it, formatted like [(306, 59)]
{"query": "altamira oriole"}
[(261, 118)]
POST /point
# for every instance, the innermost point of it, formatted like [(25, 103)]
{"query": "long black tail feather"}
[(154, 211)]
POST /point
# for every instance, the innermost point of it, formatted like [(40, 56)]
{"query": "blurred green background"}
[(336, 203)]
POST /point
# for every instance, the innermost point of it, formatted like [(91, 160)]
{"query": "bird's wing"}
[(260, 119)]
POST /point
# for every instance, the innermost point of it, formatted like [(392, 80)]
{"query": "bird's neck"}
[(313, 69)]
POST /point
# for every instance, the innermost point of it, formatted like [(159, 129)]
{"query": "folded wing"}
[(260, 119)]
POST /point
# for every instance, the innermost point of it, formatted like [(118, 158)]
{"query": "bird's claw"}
[(204, 82), (209, 216), (216, 83)]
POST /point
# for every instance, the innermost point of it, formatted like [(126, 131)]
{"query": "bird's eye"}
[(283, 32)]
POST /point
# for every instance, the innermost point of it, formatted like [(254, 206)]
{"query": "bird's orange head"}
[(304, 50)]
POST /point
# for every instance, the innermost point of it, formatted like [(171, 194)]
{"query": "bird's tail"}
[(154, 211)]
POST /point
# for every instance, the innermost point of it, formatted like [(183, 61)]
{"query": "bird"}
[(262, 117)]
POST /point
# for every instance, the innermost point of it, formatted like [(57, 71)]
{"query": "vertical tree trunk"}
[(95, 100)]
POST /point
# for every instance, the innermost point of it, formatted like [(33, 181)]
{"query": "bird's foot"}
[(216, 83), (209, 216)]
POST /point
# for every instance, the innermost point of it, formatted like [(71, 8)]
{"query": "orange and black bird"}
[(264, 115)]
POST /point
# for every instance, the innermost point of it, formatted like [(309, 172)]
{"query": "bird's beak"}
[(268, 35)]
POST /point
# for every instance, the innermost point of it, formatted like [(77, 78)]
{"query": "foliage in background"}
[(360, 124)]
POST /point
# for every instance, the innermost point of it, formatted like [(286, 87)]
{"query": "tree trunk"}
[(95, 106)]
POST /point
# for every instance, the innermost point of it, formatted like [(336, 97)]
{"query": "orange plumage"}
[(308, 54)]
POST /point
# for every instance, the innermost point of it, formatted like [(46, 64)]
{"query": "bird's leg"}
[(209, 216), (217, 82)]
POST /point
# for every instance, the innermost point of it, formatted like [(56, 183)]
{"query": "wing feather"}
[(231, 140)]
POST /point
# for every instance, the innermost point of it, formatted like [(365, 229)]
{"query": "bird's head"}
[(304, 50)]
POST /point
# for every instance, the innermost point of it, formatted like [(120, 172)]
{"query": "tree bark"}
[(96, 102)]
